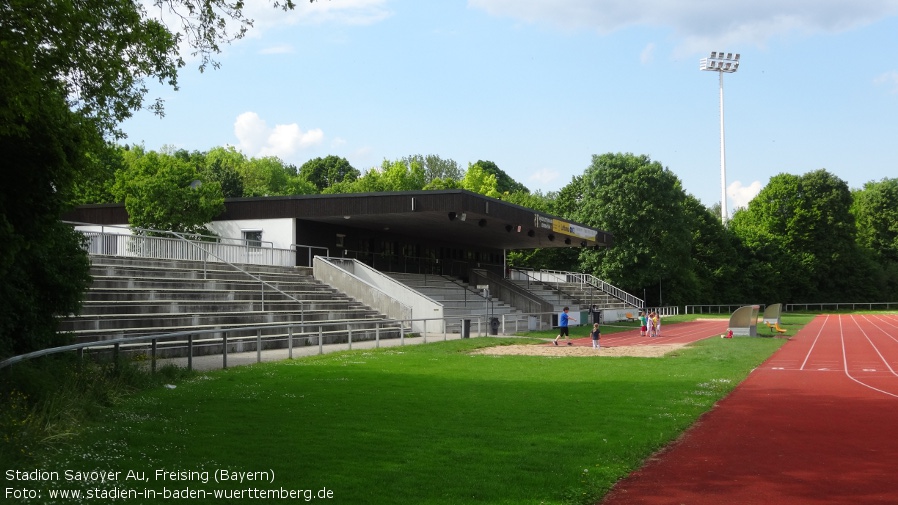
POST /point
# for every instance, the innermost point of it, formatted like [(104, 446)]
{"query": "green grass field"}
[(427, 424)]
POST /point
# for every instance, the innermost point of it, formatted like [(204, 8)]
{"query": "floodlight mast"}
[(721, 63)]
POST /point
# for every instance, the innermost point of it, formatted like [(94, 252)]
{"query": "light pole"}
[(721, 63)]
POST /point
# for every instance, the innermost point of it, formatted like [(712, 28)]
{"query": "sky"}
[(540, 87)]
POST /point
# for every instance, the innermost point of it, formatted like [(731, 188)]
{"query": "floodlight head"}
[(720, 62)]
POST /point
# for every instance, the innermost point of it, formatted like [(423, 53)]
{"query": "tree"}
[(94, 183), (478, 180), (504, 182), (43, 267), (435, 167), (72, 71), (875, 208), (802, 227), (164, 192), (715, 258), (323, 173), (266, 176), (642, 204)]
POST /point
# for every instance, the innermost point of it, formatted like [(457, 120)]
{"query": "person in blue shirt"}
[(563, 320)]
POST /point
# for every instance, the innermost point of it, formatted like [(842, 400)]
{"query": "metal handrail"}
[(262, 281), (597, 283), (205, 253), (116, 343)]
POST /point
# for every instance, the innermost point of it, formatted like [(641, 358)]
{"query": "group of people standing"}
[(650, 324)]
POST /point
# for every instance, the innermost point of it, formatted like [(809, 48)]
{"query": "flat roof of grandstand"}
[(458, 216)]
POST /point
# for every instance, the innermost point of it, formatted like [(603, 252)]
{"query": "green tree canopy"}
[(478, 180), (875, 208), (43, 268), (435, 167), (325, 172), (504, 182), (267, 176), (802, 228), (224, 166), (643, 205), (164, 192)]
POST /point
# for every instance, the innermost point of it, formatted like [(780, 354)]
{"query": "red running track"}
[(678, 333), (817, 423)]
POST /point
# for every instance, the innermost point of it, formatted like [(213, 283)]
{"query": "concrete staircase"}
[(462, 301), (585, 296), (136, 297)]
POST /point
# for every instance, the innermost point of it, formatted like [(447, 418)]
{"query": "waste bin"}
[(494, 326), (465, 328)]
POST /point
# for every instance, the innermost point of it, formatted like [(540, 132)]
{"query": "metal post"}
[(320, 340), (723, 163), (377, 336), (290, 342), (350, 338), (258, 346), (401, 334), (721, 62), (190, 352), (224, 350), (153, 355)]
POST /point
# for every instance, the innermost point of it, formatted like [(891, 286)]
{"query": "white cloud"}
[(343, 12), (698, 24), (544, 177), (889, 80), (255, 138), (740, 195)]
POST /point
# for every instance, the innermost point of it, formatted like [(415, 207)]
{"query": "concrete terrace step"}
[(136, 296), (109, 323), (106, 307), (155, 293)]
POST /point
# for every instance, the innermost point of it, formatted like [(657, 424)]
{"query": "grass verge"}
[(427, 424)]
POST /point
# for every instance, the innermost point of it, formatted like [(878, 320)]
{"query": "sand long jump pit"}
[(640, 351)]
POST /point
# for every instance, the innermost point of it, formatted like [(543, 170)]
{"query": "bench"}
[(744, 321), (775, 327)]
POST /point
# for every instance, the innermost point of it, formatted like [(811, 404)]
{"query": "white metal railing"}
[(291, 336), (181, 247), (665, 311), (121, 241), (791, 307), (558, 276), (725, 308)]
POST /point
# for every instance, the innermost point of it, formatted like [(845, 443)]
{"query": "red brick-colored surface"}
[(817, 423)]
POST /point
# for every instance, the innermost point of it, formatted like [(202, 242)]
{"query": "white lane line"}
[(808, 356), (845, 364), (853, 318)]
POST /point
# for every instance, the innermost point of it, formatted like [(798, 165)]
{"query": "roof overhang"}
[(454, 216)]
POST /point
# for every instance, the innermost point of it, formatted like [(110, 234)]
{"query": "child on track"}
[(563, 320), (596, 335)]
